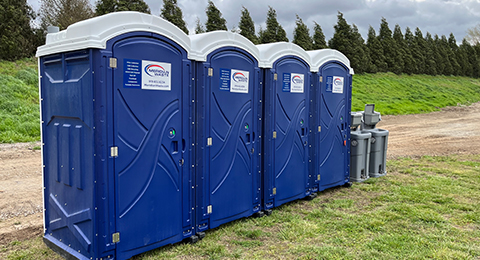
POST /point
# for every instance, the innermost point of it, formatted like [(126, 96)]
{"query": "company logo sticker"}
[(239, 77), (156, 75), (297, 85), (154, 70), (239, 81), (337, 84), (338, 81), (297, 80)]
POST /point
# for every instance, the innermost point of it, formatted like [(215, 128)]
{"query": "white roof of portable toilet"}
[(95, 32), (205, 43), (320, 57), (271, 52)]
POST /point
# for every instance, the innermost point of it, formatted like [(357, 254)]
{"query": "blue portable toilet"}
[(286, 77), (228, 132), (116, 120), (332, 99)]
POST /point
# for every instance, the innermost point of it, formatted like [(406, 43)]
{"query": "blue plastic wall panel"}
[(286, 168), (68, 153), (333, 105), (152, 127), (228, 137)]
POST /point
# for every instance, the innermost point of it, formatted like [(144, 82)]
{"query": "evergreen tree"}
[(301, 35), (441, 56), (109, 6), (172, 13), (359, 58), (476, 71), (462, 59), (274, 31), (282, 34), (318, 38), (342, 36), (388, 45), (17, 38), (470, 66), (476, 48), (349, 41), (452, 43), (63, 13), (133, 5), (105, 6), (376, 53), (420, 52), (247, 26), (430, 52), (399, 51), (199, 27), (446, 52), (411, 66), (408, 61), (215, 21)]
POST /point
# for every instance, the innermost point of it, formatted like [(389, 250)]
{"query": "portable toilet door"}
[(286, 69), (117, 113), (332, 97), (228, 133)]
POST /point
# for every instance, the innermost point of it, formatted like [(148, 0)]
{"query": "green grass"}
[(403, 94), (423, 208), (19, 109)]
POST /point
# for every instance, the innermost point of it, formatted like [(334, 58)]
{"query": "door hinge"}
[(275, 76), (274, 134), (209, 209), (319, 128), (318, 177), (274, 191), (113, 63), (114, 151), (321, 78), (210, 72), (209, 141), (116, 237)]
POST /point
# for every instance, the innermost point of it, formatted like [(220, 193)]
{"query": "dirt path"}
[(454, 130), (20, 191)]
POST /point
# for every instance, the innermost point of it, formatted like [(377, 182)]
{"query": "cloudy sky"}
[(435, 16)]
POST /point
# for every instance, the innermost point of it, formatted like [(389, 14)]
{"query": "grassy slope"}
[(19, 110), (424, 208), (397, 95)]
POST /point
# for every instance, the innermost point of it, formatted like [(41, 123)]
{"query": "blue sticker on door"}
[(132, 74), (329, 84), (286, 82), (145, 74), (225, 79)]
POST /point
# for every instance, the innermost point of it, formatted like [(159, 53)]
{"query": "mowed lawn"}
[(424, 208)]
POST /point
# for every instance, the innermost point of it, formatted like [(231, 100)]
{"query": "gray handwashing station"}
[(378, 141)]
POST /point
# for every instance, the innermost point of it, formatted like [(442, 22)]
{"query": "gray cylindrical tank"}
[(359, 155), (378, 152)]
